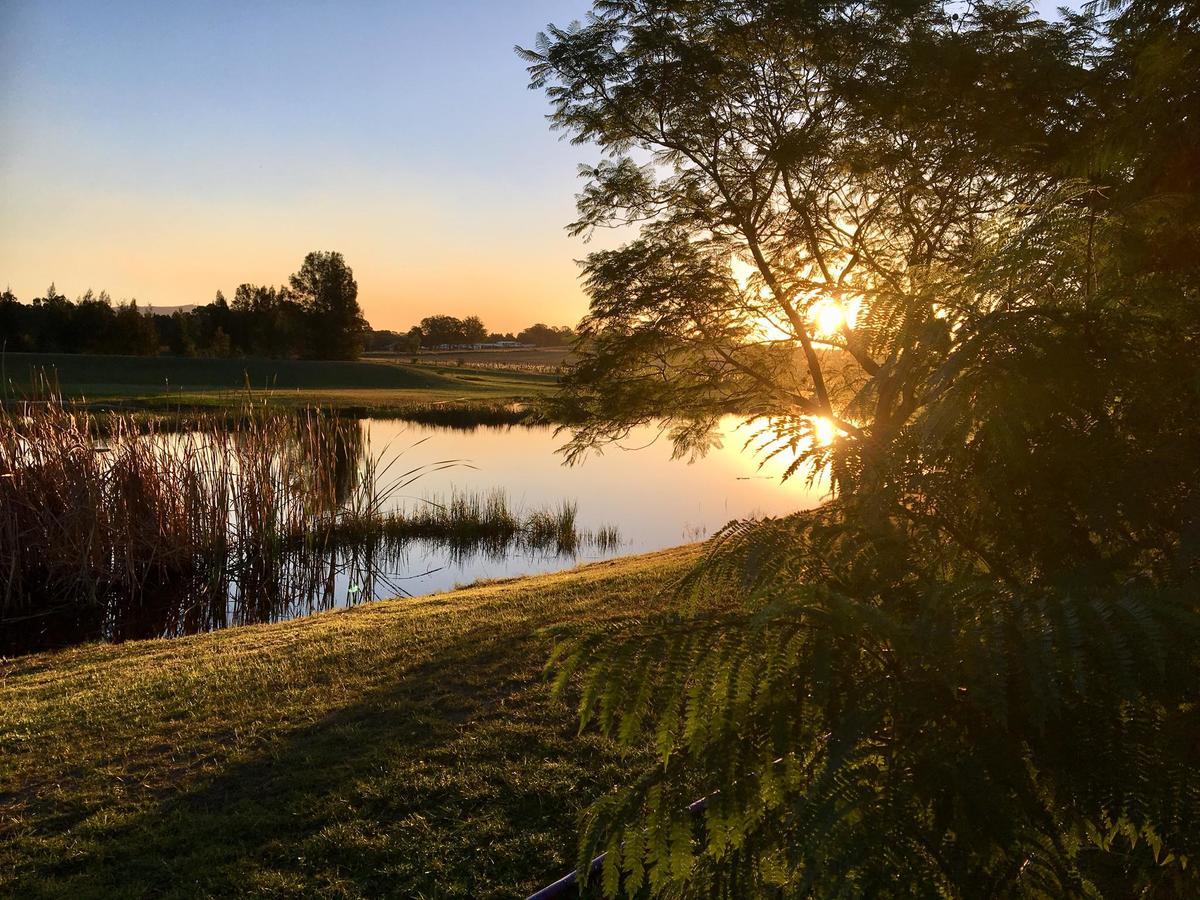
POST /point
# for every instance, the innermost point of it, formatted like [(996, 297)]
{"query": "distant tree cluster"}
[(449, 331), (546, 335), (315, 316), (438, 330), (92, 324)]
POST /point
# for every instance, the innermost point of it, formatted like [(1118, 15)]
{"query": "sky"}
[(162, 151)]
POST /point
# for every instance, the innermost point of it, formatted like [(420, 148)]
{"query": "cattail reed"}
[(139, 534)]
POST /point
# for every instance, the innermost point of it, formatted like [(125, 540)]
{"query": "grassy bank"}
[(407, 748), (367, 386)]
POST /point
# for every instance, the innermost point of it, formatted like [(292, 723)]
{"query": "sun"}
[(831, 317), (824, 431)]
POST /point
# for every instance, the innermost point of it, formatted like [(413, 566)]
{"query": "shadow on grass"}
[(460, 778)]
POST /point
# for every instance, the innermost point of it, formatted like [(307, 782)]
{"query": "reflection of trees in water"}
[(329, 456), (381, 565)]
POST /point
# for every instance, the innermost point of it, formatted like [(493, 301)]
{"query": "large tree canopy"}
[(812, 175), (948, 254), (326, 289)]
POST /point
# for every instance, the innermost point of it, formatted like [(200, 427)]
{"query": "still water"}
[(251, 538), (653, 500)]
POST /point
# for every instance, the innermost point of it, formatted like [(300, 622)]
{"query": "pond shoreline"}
[(223, 519), (119, 528)]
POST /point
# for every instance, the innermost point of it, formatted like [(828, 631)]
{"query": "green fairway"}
[(158, 381), (407, 748)]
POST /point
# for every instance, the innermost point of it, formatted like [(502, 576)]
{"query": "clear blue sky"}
[(165, 150)]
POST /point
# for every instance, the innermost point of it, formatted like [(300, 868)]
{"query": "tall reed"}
[(137, 534), (115, 528)]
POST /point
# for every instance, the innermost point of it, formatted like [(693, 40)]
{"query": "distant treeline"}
[(448, 331), (315, 316)]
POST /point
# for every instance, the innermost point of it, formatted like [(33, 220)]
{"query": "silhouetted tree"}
[(182, 342), (947, 257), (439, 330), (14, 324), (52, 320), (474, 331), (412, 339), (268, 322), (219, 345), (326, 289), (135, 334), (95, 325)]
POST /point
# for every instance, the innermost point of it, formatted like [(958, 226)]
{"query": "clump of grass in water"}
[(607, 539), (472, 519), (464, 520), (554, 528), (467, 416)]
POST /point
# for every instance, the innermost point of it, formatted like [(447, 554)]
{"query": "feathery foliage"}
[(953, 260)]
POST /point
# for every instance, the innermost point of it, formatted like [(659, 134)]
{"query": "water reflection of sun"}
[(756, 449)]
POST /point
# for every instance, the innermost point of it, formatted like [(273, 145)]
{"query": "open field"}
[(547, 357), (163, 382), (406, 748)]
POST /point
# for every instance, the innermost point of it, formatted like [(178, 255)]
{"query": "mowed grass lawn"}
[(162, 381), (407, 748)]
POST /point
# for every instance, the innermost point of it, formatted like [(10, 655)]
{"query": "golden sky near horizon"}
[(165, 153), (411, 255)]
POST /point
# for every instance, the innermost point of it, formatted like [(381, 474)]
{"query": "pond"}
[(652, 500), (191, 527)]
